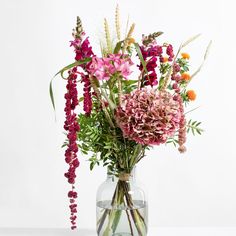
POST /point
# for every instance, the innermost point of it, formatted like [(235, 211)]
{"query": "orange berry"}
[(185, 76), (165, 59), (191, 95), (185, 55)]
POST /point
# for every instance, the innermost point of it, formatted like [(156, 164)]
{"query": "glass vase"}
[(121, 206)]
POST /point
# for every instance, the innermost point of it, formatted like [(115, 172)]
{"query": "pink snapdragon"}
[(105, 68), (150, 54), (82, 48)]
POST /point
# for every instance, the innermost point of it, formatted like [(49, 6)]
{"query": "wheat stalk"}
[(117, 21), (182, 45), (204, 59), (127, 25), (131, 30), (190, 40), (108, 36)]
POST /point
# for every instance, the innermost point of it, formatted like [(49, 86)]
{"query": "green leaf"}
[(81, 99), (129, 82), (51, 95), (137, 48), (118, 47), (92, 164), (198, 131), (77, 63), (194, 127)]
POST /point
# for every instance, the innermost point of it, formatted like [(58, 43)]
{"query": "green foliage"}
[(72, 65), (184, 95), (173, 140), (118, 46), (107, 145), (184, 65), (194, 127), (129, 85), (164, 67)]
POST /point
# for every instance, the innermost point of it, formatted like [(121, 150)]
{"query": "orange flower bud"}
[(185, 76), (165, 59), (131, 41), (185, 55), (191, 95)]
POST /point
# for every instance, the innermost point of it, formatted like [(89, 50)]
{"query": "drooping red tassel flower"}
[(87, 94), (71, 126), (82, 50)]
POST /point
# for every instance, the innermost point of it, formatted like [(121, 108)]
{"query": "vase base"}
[(122, 234)]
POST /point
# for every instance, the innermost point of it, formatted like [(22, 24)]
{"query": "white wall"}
[(196, 189)]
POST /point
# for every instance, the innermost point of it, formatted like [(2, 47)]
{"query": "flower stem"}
[(119, 90), (121, 196), (96, 90)]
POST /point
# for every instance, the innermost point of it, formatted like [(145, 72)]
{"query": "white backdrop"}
[(195, 189)]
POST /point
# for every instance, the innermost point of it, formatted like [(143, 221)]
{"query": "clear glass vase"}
[(121, 207)]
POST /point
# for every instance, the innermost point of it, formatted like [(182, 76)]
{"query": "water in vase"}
[(122, 220)]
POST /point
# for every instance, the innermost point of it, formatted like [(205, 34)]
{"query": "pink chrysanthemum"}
[(148, 116)]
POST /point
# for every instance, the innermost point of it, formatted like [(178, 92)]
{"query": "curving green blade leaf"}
[(137, 48), (51, 95), (77, 63), (118, 47)]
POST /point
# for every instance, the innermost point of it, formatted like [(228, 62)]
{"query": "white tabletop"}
[(159, 231)]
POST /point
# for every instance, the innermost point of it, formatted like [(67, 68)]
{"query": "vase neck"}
[(123, 176)]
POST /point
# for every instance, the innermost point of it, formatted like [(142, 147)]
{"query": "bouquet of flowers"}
[(124, 115)]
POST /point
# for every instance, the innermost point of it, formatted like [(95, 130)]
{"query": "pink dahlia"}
[(148, 116)]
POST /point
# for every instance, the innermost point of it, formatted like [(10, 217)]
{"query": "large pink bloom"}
[(148, 116)]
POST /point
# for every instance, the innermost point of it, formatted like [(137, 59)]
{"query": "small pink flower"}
[(75, 43), (105, 68), (124, 69)]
